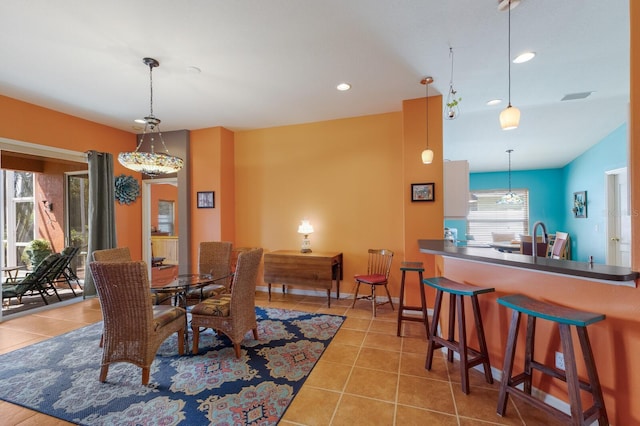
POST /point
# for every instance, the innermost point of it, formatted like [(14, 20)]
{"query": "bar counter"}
[(607, 274)]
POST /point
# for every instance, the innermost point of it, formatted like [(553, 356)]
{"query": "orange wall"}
[(344, 176), (164, 192), (211, 156), (422, 219), (25, 122)]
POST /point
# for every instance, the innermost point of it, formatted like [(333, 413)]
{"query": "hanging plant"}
[(452, 110), (127, 189)]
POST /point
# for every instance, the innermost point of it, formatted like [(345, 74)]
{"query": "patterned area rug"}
[(59, 376)]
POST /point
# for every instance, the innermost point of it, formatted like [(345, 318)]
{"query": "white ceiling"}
[(268, 63)]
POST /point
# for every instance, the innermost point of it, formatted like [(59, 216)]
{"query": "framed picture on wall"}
[(422, 192), (579, 204), (206, 200)]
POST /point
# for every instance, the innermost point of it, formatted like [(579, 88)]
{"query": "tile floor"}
[(367, 375)]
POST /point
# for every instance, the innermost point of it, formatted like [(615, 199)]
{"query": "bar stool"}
[(419, 268), (469, 357), (565, 318)]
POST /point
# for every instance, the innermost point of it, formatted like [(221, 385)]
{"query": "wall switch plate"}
[(560, 360)]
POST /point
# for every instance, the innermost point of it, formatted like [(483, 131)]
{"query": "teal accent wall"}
[(551, 194), (587, 173)]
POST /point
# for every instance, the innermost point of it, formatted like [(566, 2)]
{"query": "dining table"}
[(180, 285)]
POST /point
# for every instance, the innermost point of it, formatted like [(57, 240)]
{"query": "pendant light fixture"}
[(451, 107), (510, 116), (151, 163), (427, 154), (510, 197)]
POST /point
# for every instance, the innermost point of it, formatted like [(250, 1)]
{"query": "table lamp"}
[(305, 228)]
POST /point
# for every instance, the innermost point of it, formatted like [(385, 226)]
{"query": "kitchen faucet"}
[(534, 242)]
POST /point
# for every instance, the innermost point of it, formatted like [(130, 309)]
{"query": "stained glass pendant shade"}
[(151, 163)]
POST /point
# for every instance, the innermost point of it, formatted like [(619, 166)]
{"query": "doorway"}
[(618, 233), (160, 230)]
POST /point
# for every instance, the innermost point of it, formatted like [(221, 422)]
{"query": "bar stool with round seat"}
[(419, 268), (565, 318), (469, 357)]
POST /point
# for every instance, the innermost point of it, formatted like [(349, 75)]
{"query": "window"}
[(20, 214), (165, 216), (486, 215)]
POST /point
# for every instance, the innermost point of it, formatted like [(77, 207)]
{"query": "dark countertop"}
[(484, 253)]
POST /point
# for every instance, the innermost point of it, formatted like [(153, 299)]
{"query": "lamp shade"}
[(305, 228), (509, 118), (427, 156)]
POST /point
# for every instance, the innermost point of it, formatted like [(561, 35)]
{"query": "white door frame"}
[(146, 216), (617, 233)]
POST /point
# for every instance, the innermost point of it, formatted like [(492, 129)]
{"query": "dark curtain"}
[(102, 224)]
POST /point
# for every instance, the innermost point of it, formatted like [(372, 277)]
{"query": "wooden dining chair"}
[(378, 269)]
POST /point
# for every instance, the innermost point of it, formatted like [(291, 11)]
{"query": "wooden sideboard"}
[(315, 269)]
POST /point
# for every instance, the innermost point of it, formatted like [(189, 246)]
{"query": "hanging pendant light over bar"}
[(510, 116), (510, 197), (151, 163), (427, 154)]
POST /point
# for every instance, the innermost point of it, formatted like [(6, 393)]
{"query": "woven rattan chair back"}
[(242, 311), (119, 254), (133, 327), (214, 258)]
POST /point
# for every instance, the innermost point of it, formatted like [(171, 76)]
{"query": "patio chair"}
[(34, 282), (68, 272), (58, 274), (233, 314), (133, 329)]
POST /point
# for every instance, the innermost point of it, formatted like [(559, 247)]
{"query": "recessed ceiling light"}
[(524, 57), (193, 70), (494, 102), (343, 86)]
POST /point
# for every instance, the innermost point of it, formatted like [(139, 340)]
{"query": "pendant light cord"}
[(509, 151), (151, 90), (426, 83), (451, 78), (509, 56)]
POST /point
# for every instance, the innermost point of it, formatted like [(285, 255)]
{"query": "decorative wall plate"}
[(127, 189)]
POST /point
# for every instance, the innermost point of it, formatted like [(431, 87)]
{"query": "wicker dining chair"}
[(122, 254), (233, 314), (133, 328), (214, 257), (118, 254)]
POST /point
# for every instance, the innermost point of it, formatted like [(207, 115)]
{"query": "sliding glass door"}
[(77, 216)]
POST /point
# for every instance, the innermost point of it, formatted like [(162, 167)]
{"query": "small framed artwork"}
[(422, 192), (579, 204), (206, 200)]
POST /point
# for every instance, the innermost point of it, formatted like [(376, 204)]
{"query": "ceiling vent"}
[(574, 96)]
